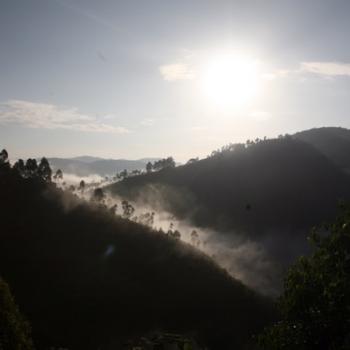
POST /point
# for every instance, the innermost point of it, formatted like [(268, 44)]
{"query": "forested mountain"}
[(332, 142), (86, 165), (273, 184), (87, 279), (272, 191)]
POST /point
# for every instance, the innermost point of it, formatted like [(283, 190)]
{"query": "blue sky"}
[(123, 79)]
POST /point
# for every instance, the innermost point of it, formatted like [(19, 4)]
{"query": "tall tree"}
[(20, 167), (149, 167), (31, 168), (15, 333), (3, 156), (44, 170), (82, 186)]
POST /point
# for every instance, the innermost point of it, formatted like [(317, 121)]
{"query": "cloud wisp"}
[(48, 116), (177, 71), (328, 69)]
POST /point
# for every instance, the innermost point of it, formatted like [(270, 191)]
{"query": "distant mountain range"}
[(87, 165)]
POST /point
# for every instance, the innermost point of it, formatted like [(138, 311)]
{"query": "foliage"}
[(31, 169), (14, 329), (44, 170), (160, 164), (315, 305)]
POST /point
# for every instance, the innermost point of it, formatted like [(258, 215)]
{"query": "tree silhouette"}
[(58, 175), (315, 305), (20, 167), (128, 209), (164, 163), (44, 170), (98, 195), (14, 329), (195, 238), (3, 156), (149, 167), (31, 168), (82, 186)]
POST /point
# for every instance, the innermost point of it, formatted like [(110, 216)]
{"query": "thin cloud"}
[(327, 68), (176, 71), (48, 116)]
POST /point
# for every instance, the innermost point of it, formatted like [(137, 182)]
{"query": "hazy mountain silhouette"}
[(87, 279), (87, 165)]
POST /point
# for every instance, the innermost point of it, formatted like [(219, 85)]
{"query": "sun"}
[(230, 80)]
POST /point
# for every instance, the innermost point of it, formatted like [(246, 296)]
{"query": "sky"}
[(157, 78)]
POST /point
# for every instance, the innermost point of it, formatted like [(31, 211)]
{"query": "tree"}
[(128, 209), (176, 234), (149, 167), (20, 167), (123, 174), (44, 170), (164, 163), (315, 305), (192, 160), (98, 195), (58, 175), (31, 168), (195, 238), (4, 163), (4, 156), (82, 186), (14, 329)]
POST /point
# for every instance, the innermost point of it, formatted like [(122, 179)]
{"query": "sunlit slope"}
[(280, 184), (88, 280)]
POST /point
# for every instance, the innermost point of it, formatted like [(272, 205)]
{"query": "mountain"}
[(271, 191), (333, 142), (86, 165), (87, 279)]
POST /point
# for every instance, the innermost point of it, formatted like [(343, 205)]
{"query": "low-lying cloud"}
[(48, 116)]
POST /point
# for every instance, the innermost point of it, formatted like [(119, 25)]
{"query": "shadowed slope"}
[(88, 280), (281, 184)]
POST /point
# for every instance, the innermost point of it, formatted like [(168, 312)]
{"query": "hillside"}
[(333, 142), (86, 165), (275, 184), (272, 192), (87, 279)]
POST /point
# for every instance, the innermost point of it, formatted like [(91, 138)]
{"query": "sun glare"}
[(230, 81)]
